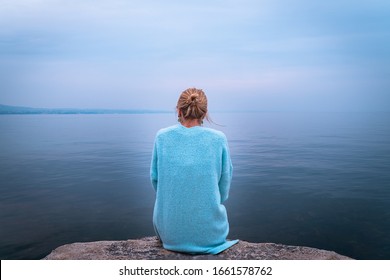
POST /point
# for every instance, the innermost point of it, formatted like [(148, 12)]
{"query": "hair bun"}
[(193, 98)]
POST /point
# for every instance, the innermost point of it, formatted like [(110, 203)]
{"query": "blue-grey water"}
[(308, 179)]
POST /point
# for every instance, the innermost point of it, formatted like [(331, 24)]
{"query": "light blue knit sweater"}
[(191, 172)]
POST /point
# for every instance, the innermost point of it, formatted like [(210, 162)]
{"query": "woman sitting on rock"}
[(191, 172)]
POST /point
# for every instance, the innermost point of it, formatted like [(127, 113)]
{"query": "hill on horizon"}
[(7, 109)]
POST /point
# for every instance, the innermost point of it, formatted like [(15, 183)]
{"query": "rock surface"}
[(149, 248)]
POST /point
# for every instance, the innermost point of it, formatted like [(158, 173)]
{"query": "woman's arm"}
[(226, 173), (153, 167)]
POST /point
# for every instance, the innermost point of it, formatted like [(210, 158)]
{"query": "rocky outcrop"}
[(149, 248)]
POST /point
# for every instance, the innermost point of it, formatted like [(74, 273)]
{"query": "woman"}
[(191, 173)]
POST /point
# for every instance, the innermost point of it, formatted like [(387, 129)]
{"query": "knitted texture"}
[(191, 172)]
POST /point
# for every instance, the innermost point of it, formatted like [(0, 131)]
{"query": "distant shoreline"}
[(15, 110)]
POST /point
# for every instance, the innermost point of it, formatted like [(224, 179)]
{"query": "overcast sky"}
[(296, 55)]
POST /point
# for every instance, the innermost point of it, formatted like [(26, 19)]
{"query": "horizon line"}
[(14, 110)]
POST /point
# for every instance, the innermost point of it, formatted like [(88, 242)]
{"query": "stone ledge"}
[(149, 248)]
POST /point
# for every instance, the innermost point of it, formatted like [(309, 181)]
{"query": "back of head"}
[(192, 104)]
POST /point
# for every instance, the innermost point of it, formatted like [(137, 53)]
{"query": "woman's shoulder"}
[(214, 135), (166, 130), (166, 133)]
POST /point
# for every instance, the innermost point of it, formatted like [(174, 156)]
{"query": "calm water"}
[(318, 179)]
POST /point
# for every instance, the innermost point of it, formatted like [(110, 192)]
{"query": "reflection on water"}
[(319, 180)]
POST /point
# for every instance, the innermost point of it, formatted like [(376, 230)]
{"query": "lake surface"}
[(309, 179)]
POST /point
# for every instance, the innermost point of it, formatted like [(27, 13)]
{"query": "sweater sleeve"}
[(226, 173), (153, 167)]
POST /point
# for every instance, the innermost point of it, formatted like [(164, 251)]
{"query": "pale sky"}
[(246, 55)]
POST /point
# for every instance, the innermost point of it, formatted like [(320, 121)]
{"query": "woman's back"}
[(191, 172)]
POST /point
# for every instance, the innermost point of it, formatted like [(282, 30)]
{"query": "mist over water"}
[(307, 179)]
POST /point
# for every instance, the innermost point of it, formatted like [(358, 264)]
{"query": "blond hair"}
[(192, 105)]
